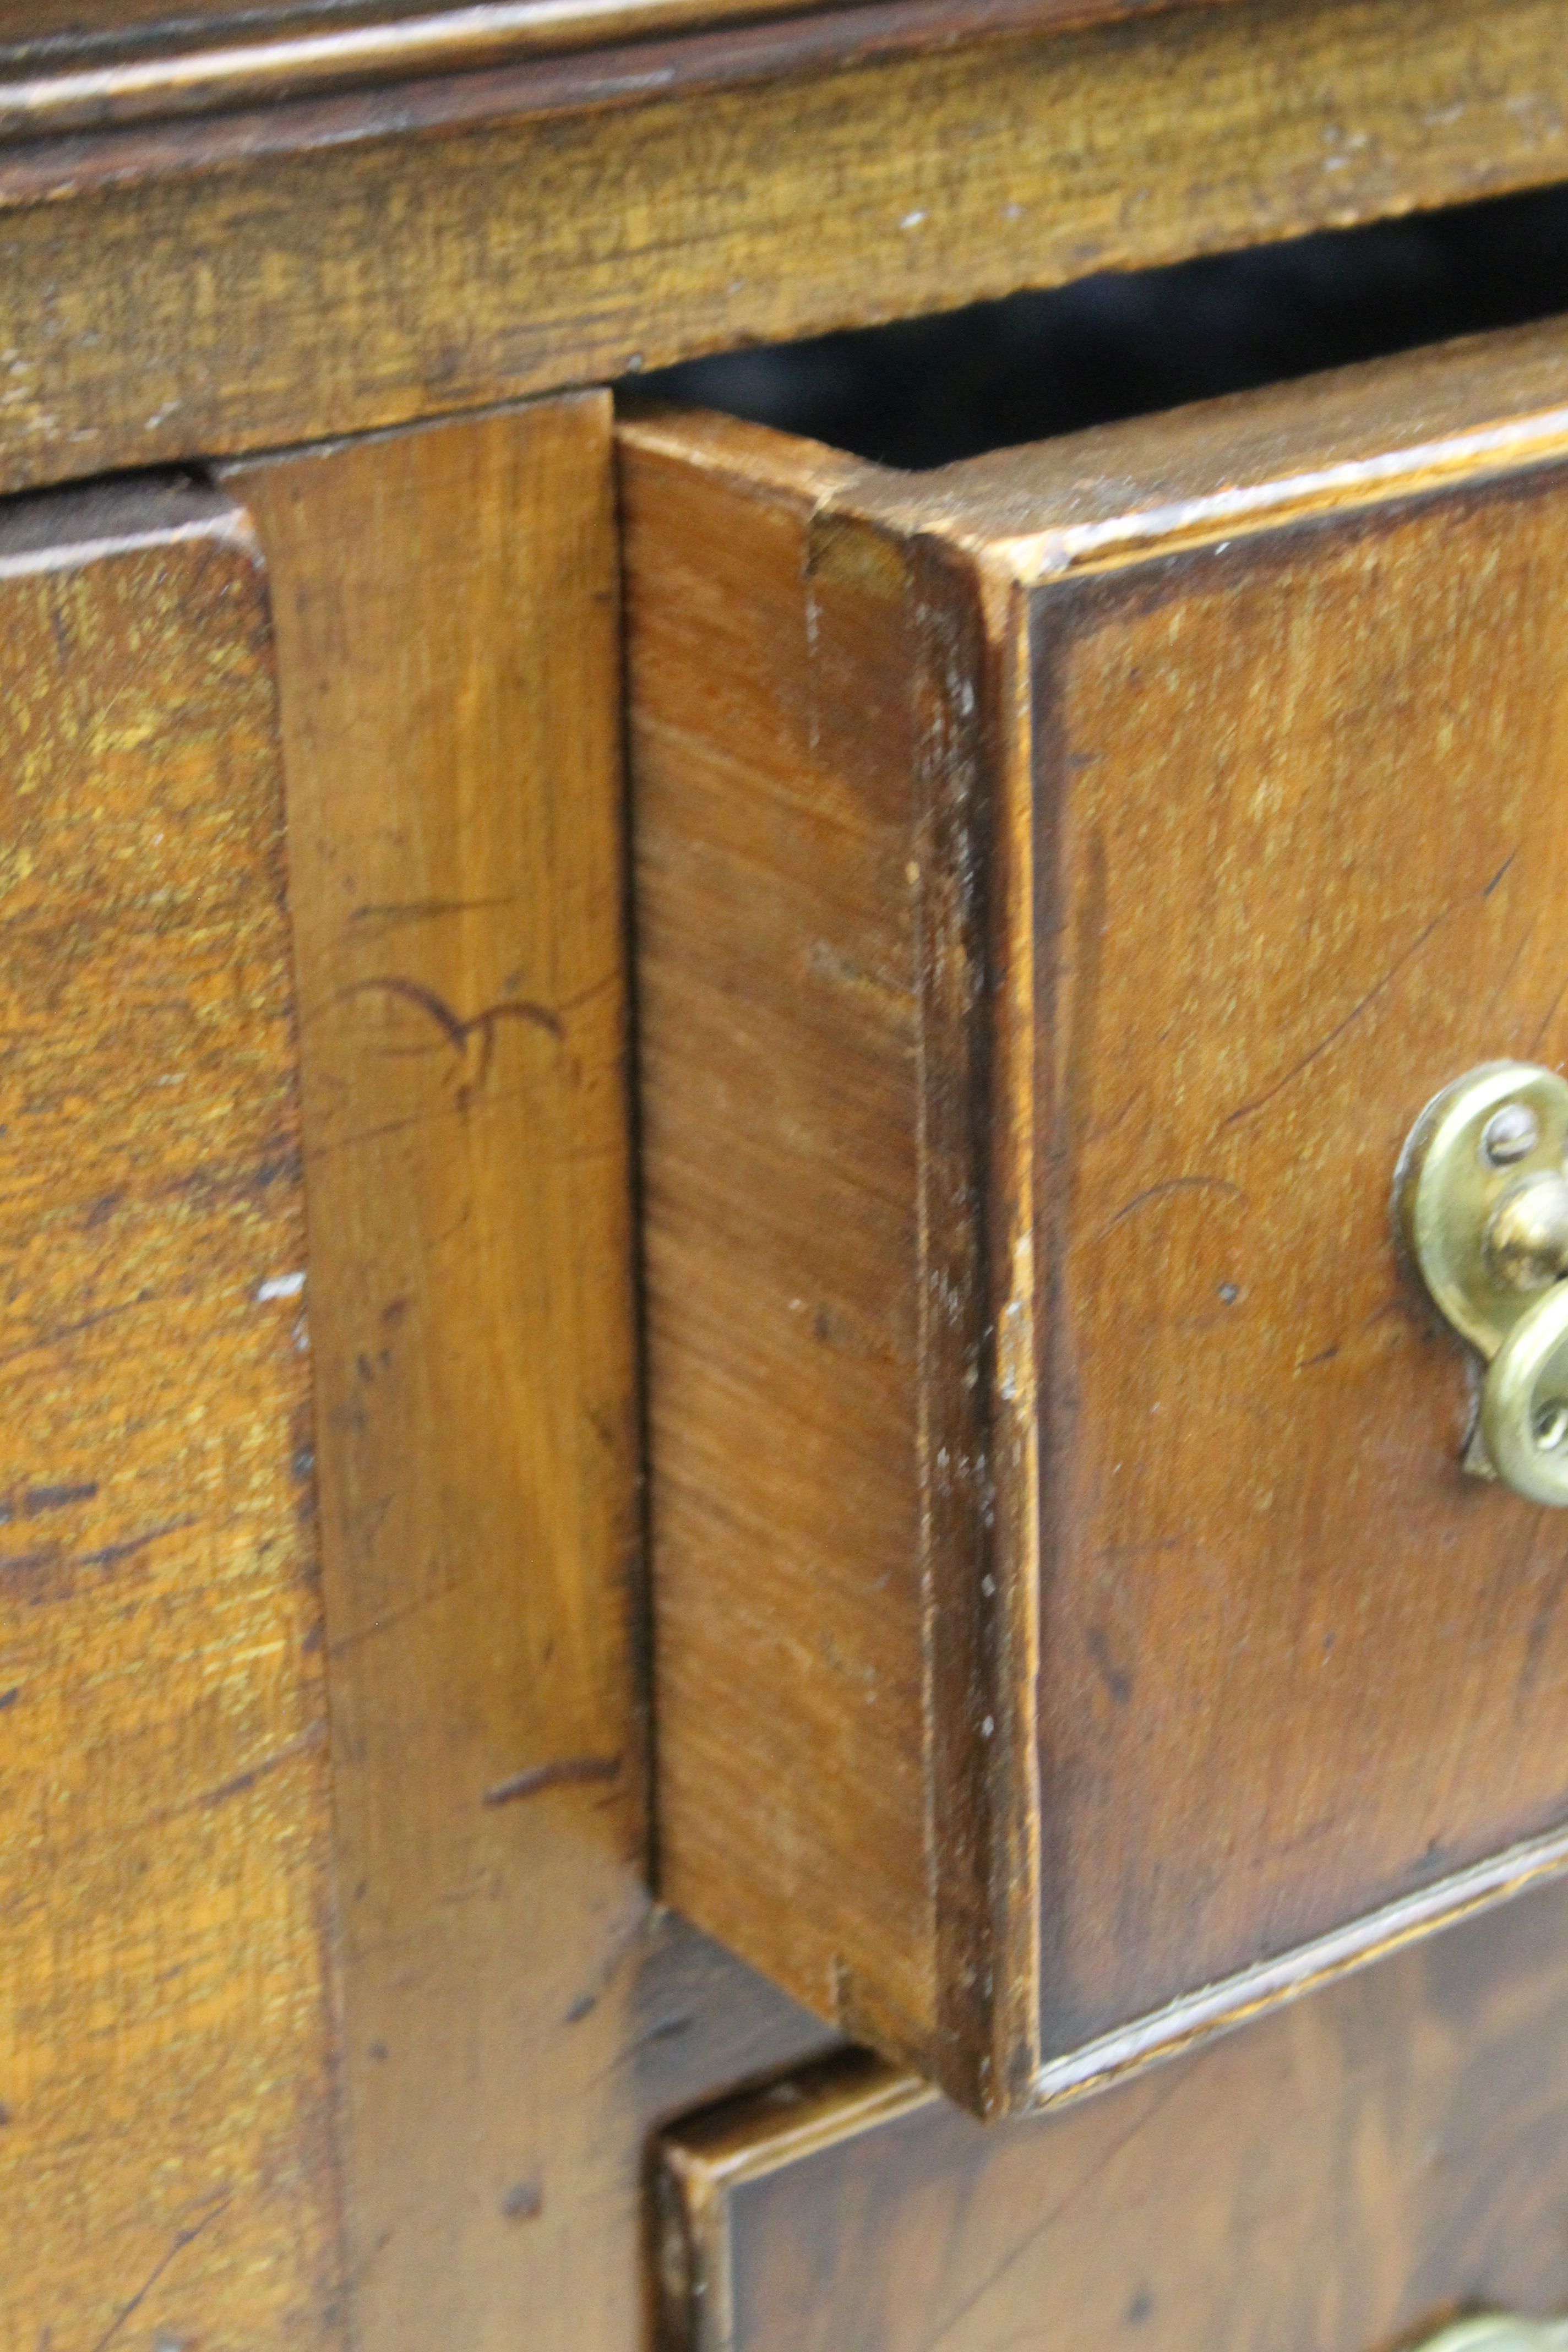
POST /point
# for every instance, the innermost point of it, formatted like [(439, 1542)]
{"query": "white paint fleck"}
[(911, 220), (280, 1286)]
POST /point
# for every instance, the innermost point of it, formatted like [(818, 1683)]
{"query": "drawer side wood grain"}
[(780, 1047)]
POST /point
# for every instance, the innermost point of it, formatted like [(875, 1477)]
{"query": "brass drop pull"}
[(1499, 2331), (1483, 1202)]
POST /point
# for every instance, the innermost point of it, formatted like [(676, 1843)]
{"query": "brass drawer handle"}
[(1482, 1200), (1499, 2331)]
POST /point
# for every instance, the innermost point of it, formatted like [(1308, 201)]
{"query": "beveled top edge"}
[(57, 530), (819, 2104), (1350, 436), (117, 62)]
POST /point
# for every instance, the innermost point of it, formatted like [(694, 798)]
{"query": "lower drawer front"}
[(1344, 2175)]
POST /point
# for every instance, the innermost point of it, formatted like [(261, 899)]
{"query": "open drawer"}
[(1062, 880)]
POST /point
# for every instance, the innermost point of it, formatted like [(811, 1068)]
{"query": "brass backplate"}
[(1448, 1187), (1499, 2331)]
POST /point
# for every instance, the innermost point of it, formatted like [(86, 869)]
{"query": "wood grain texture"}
[(1351, 2173), (1340, 1667), (807, 749), (445, 613), (1212, 841), (787, 858), (166, 2167), (311, 271)]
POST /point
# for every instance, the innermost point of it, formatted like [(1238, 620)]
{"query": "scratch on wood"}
[(33, 1499), (112, 1554), (423, 910), (70, 1330), (1550, 1015), (1048, 2221), (1333, 1036), (1178, 1184), (238, 1782), (566, 1772), (452, 1024), (458, 1032), (181, 2238)]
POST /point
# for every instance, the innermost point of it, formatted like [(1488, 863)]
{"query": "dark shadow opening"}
[(926, 391)]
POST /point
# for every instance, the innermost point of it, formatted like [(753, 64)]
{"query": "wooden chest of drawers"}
[(1072, 1627)]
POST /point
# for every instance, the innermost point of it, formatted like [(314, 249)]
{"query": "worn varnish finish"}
[(1351, 2173), (166, 2167), (1061, 880), (781, 948), (210, 275), (448, 643), (302, 271), (71, 70)]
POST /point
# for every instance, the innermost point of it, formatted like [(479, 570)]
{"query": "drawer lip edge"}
[(1232, 2000)]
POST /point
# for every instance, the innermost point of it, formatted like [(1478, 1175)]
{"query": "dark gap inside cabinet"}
[(926, 391)]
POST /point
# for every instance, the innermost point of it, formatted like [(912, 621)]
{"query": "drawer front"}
[(1063, 879), (166, 2161), (1345, 2176)]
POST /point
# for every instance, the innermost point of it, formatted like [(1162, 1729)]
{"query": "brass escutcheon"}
[(1481, 1201)]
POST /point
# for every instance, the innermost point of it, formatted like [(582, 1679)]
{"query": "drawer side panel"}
[(778, 1019)]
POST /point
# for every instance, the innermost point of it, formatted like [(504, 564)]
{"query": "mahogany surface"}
[(405, 1990), (1062, 880), (1345, 2176)]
